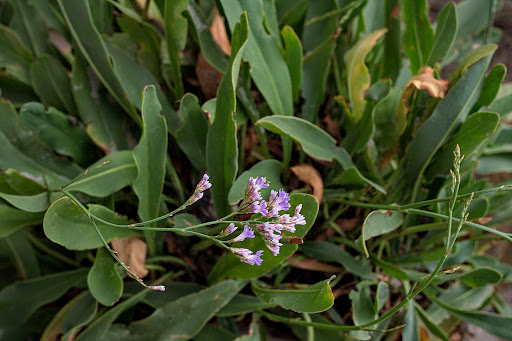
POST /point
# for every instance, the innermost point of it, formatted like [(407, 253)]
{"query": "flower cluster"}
[(270, 225), (203, 185)]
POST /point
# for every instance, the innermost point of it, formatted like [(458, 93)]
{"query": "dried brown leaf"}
[(132, 251), (208, 76), (332, 127), (218, 31), (311, 177), (314, 265), (425, 80)]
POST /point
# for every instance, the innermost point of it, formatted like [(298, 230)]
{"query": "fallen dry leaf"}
[(208, 76), (332, 127), (310, 176), (218, 31), (132, 251), (425, 80), (313, 265)]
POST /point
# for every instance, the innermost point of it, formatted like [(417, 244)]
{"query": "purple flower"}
[(277, 203), (289, 223), (251, 202), (157, 287), (246, 255), (268, 232), (230, 229), (247, 233), (198, 192)]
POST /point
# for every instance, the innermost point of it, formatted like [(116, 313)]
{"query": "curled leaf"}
[(132, 251), (309, 175), (425, 80)]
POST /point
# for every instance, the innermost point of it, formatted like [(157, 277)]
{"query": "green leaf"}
[(358, 76), (91, 44), (16, 91), (64, 221), (12, 219), (475, 55), (316, 143), (104, 122), (419, 37), (29, 203), (58, 131), (14, 57), (175, 39), (229, 266), (389, 124), (22, 254), (268, 68), (491, 87), (472, 134), (76, 313), (411, 330), (362, 305), (222, 145), (19, 300), (313, 299), (191, 137), (477, 277), (446, 33), (329, 252), (378, 223), (20, 150), (492, 323), (97, 329), (20, 184), (150, 156), (106, 176), (181, 319), (104, 282), (243, 304), (135, 79), (52, 84), (430, 324), (30, 25), (293, 58), (269, 169), (433, 133)]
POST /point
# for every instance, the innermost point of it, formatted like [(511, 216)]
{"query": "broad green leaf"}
[(389, 124), (150, 156), (381, 296), (12, 219), (492, 323), (229, 266), (22, 254), (135, 79), (491, 87), (102, 13), (378, 223), (64, 221), (222, 145), (191, 137), (293, 58), (243, 304), (21, 150), (14, 57), (30, 25), (92, 46), (472, 58), (358, 76), (106, 176), (29, 203), (104, 122), (316, 143), (58, 131), (269, 169), (313, 299), (477, 277), (173, 291), (14, 90), (181, 319), (97, 328), (362, 305), (316, 70), (502, 103), (51, 82), (419, 37), (329, 252), (495, 163), (430, 324), (77, 312), (268, 68), (201, 30), (446, 33), (104, 282), (19, 300), (472, 134), (433, 133), (392, 56), (411, 330), (175, 39), (20, 184)]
